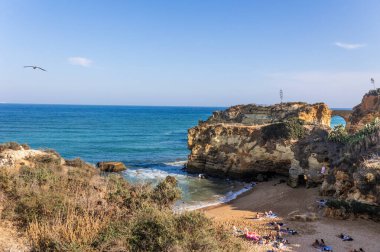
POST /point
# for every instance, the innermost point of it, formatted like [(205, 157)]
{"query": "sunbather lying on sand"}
[(276, 223), (345, 237), (270, 214), (291, 231), (251, 235), (321, 245)]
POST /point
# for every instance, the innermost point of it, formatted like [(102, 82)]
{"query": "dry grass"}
[(72, 208), (74, 230)]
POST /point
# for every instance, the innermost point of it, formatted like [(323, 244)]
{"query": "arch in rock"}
[(345, 114)]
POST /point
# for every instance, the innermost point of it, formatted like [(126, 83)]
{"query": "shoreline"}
[(285, 202), (238, 197), (223, 200)]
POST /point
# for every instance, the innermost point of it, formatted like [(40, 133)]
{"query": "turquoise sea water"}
[(152, 141)]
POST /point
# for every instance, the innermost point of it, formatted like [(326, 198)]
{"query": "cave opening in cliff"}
[(301, 180)]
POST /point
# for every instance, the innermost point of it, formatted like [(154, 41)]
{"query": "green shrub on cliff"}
[(374, 92), (355, 207), (340, 135), (166, 192), (290, 129)]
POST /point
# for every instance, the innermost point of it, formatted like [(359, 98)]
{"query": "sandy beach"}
[(286, 202)]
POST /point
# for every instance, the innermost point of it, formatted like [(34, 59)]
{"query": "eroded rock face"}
[(231, 143), (353, 179), (365, 112)]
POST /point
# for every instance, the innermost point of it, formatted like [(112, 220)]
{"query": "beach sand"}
[(285, 202)]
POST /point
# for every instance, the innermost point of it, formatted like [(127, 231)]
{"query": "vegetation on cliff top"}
[(340, 135), (290, 129), (13, 146), (73, 208), (374, 92)]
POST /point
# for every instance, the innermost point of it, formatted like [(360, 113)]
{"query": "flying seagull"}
[(36, 67)]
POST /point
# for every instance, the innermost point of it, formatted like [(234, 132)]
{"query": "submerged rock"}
[(111, 166)]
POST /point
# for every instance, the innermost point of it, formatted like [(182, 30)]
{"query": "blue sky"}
[(190, 53)]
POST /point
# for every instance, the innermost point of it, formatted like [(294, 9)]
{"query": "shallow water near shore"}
[(151, 141)]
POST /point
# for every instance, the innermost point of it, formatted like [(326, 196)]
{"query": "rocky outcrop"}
[(111, 166), (14, 157), (366, 111), (246, 140)]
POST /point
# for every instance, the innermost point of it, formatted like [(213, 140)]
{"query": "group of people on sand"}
[(274, 238), (360, 250), (278, 230), (322, 245)]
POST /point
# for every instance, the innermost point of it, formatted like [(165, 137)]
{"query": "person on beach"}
[(316, 244), (278, 235), (323, 170), (277, 227), (323, 242)]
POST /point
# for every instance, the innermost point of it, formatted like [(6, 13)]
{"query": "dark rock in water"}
[(111, 166)]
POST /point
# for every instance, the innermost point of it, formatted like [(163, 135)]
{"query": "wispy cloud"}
[(349, 46), (80, 61)]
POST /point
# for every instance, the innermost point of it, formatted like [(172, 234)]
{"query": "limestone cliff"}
[(246, 140), (366, 111), (356, 175)]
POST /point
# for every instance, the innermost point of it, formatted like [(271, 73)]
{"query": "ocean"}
[(151, 141)]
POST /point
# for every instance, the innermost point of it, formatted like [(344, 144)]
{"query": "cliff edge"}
[(365, 112)]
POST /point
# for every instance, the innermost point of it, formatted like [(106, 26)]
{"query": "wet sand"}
[(285, 202)]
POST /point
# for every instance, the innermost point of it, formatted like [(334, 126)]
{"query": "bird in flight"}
[(36, 67)]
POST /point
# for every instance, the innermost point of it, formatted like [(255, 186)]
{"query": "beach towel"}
[(272, 216), (252, 236), (327, 248)]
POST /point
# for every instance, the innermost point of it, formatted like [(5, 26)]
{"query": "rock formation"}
[(291, 139), (356, 166), (111, 166), (359, 182), (246, 140), (366, 111), (356, 174)]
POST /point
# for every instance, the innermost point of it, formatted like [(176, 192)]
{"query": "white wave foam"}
[(177, 163), (150, 174)]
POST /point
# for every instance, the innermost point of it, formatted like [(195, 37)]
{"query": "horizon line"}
[(110, 105), (132, 105)]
